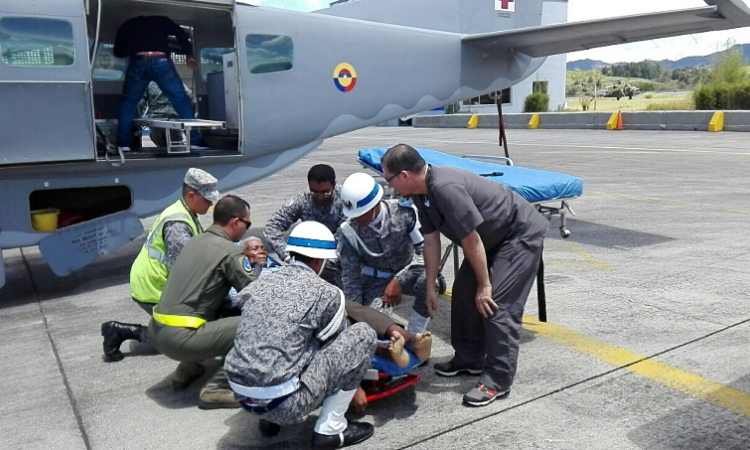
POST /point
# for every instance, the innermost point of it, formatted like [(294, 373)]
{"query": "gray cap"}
[(204, 184)]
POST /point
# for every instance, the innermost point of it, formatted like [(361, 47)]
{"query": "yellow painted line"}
[(601, 265), (664, 374), (555, 262), (678, 379), (448, 294), (669, 202)]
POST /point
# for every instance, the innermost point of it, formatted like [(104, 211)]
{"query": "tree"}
[(728, 83), (585, 86), (729, 67)]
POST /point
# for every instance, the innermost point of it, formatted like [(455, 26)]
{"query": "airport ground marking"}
[(645, 366), (669, 202), (601, 265)]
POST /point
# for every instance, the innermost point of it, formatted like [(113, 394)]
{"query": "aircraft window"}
[(106, 66), (212, 60), (36, 42), (269, 53)]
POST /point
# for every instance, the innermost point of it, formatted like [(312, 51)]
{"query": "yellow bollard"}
[(473, 122), (717, 122), (612, 122), (534, 122)]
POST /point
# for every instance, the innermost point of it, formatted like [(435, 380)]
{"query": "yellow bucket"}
[(44, 219)]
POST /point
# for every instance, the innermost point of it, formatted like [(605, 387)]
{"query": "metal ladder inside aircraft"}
[(185, 125)]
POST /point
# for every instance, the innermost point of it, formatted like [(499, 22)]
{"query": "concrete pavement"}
[(646, 346)]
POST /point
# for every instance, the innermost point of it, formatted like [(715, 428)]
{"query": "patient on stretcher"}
[(395, 340)]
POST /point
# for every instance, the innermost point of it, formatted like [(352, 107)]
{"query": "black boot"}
[(115, 333), (268, 429), (354, 433)]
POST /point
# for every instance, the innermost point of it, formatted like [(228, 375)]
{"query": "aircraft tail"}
[(454, 16)]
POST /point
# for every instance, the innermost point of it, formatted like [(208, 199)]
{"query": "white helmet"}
[(312, 239), (360, 193)]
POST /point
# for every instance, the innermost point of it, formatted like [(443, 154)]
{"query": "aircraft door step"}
[(185, 125)]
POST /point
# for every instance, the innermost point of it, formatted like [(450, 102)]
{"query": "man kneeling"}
[(293, 351)]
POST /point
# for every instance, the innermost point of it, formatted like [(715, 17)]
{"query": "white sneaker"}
[(123, 149), (200, 145)]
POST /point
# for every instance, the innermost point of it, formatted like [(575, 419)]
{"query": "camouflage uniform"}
[(400, 258), (301, 207), (176, 235), (158, 106), (288, 335)]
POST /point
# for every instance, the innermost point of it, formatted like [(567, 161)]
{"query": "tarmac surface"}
[(646, 346)]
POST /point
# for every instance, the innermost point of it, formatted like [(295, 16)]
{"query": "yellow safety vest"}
[(149, 271)]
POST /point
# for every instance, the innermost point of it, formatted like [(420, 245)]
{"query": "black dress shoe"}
[(268, 429), (355, 433)]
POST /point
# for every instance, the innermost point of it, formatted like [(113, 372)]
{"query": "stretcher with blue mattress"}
[(541, 188)]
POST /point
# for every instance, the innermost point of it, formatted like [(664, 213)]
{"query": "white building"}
[(553, 72)]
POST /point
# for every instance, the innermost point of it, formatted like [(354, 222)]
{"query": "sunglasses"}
[(246, 222), (321, 193)]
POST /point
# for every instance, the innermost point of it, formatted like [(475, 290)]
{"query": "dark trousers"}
[(148, 307), (492, 343), (356, 313), (140, 72)]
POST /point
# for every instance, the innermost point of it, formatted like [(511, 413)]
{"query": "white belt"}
[(372, 272), (268, 392)]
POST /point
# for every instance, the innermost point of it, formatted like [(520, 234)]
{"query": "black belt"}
[(253, 407)]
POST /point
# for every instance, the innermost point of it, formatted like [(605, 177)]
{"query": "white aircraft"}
[(273, 85)]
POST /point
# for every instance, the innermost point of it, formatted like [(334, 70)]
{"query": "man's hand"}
[(485, 304), (432, 302), (192, 63), (392, 296), (359, 402)]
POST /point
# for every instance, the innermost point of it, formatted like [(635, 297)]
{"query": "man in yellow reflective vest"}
[(186, 324), (172, 229)]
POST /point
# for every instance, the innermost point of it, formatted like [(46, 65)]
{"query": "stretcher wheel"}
[(441, 285), (564, 232)]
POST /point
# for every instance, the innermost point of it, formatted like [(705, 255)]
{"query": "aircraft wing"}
[(576, 36)]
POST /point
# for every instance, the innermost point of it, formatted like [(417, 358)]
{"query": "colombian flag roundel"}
[(344, 77)]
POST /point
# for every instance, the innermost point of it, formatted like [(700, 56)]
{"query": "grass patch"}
[(669, 100), (681, 105)]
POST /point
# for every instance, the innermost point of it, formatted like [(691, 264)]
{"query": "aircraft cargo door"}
[(46, 112)]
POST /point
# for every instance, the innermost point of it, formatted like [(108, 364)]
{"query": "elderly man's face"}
[(256, 252)]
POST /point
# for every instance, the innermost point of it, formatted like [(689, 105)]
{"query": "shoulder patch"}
[(246, 264)]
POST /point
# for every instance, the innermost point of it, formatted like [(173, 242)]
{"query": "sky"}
[(580, 10)]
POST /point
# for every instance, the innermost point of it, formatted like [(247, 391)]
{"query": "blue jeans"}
[(141, 71)]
